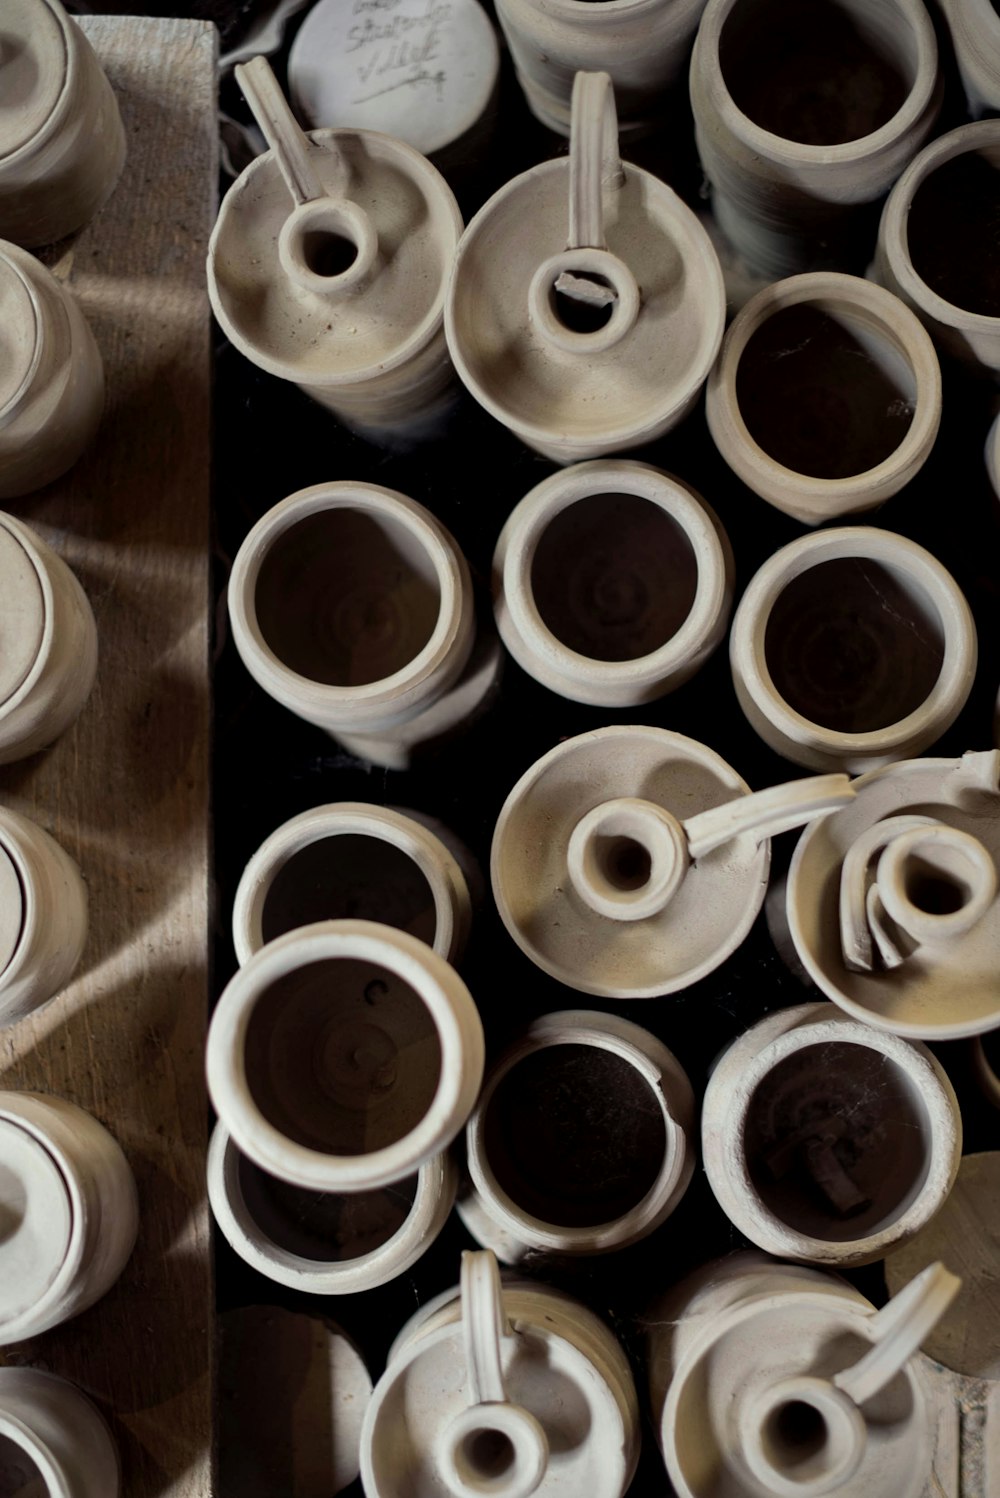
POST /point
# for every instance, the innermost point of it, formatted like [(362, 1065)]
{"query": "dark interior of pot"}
[(350, 876), (837, 1141), (346, 597), (853, 645), (325, 1227), (953, 231), (613, 577), (19, 1475), (342, 1057)]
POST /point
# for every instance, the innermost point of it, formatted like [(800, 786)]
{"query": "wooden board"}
[(126, 790)]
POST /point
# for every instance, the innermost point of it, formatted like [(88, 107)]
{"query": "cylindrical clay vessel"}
[(51, 376), (612, 582), (62, 145), (975, 35), (804, 118), (53, 1442), (71, 1213), (828, 1141), (826, 397), (581, 1141), (344, 1055), (851, 648), (43, 917)]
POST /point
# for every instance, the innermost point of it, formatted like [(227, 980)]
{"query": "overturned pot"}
[(43, 917), (53, 1441)]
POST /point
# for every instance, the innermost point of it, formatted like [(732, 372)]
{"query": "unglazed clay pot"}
[(53, 1442), (43, 917), (805, 116), (328, 263), (62, 145), (344, 1056), (604, 887), (586, 303), (936, 246), (992, 455), (48, 643), (975, 34), (828, 1141), (70, 1211), (352, 858), (892, 904), (772, 1381), (612, 582), (506, 1389), (352, 606), (826, 397), (51, 376), (581, 1141), (851, 648), (643, 45), (985, 1069), (321, 1242)]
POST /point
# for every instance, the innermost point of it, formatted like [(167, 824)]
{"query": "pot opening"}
[(953, 231), (350, 876), (854, 645), (345, 597), (486, 1455), (837, 1141), (933, 890), (326, 1227), (574, 1135), (623, 862), (327, 253), (795, 1438), (342, 1056), (583, 301), (825, 393), (613, 577), (20, 1477)]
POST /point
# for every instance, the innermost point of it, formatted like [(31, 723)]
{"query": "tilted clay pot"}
[(604, 887), (328, 264), (53, 1442), (43, 917), (992, 455), (51, 376), (851, 648), (62, 145), (612, 582), (828, 1141), (892, 904), (321, 1242), (345, 1055), (936, 245), (826, 397), (773, 1381), (804, 118), (582, 1139), (586, 303), (508, 1389), (70, 1212), (975, 35)]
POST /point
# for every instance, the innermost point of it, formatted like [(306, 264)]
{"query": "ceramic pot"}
[(328, 262), (581, 1141), (588, 342), (772, 1381), (975, 33), (826, 397), (48, 643), (643, 44), (508, 1389), (344, 1056), (851, 648), (612, 582), (320, 1243), (827, 1141), (43, 917), (63, 145), (352, 606), (935, 248), (892, 905), (992, 455), (51, 378), (53, 1442), (637, 902), (352, 858), (70, 1206), (803, 120), (984, 1068)]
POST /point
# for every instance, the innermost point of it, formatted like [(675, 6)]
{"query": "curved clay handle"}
[(767, 812), (594, 161), (860, 912), (484, 1324), (280, 129), (899, 1329)]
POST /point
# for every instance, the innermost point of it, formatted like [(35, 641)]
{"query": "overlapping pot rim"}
[(610, 12), (440, 990), (14, 404), (798, 153), (828, 291), (32, 934), (586, 678), (946, 698), (28, 542)]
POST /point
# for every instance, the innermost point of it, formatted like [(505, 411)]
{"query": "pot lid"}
[(19, 331), (33, 67), (36, 1222), (22, 603), (11, 909)]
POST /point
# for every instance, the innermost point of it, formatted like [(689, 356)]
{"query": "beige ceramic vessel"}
[(992, 455), (54, 1442), (851, 648), (612, 582), (43, 917), (826, 397), (70, 1209), (975, 33), (586, 303)]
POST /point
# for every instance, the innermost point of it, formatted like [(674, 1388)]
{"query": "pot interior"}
[(324, 1226), (19, 1475), (349, 876), (953, 231)]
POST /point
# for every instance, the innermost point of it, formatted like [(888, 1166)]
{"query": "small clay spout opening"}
[(795, 1437), (626, 859), (486, 1455), (583, 302), (623, 862), (327, 253)]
